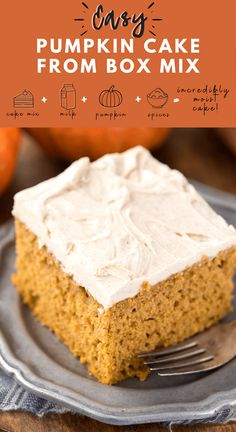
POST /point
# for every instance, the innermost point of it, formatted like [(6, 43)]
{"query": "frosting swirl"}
[(120, 221)]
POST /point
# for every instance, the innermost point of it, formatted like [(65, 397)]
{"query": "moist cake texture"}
[(120, 256)]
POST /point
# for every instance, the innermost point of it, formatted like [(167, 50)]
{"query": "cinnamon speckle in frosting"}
[(120, 221)]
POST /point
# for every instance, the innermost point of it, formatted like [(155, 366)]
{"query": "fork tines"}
[(172, 361)]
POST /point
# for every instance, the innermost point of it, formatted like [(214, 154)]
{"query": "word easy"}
[(100, 19)]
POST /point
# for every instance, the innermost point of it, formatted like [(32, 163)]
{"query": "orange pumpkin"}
[(72, 143), (9, 146), (110, 98)]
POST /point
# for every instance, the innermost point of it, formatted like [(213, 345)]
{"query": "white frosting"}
[(120, 221)]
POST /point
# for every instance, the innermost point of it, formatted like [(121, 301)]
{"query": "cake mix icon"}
[(24, 100), (68, 97)]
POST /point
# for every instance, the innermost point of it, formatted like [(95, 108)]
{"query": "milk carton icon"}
[(68, 97)]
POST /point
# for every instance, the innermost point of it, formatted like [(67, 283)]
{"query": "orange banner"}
[(118, 64)]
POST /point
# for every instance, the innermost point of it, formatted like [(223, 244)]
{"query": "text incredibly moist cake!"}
[(120, 256)]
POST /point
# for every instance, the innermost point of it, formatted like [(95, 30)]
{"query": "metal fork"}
[(204, 352)]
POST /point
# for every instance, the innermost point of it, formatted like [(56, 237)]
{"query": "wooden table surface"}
[(199, 154)]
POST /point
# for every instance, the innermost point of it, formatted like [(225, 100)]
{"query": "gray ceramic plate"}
[(43, 365)]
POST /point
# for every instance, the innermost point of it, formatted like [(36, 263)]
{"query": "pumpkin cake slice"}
[(120, 256)]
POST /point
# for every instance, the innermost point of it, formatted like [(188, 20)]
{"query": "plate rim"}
[(176, 412), (202, 410)]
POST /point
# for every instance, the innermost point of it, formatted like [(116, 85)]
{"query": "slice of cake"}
[(120, 256), (24, 100)]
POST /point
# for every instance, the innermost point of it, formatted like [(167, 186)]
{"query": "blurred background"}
[(30, 156)]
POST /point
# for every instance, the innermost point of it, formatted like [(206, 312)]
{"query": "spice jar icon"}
[(68, 97)]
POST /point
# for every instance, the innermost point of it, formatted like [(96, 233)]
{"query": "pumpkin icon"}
[(110, 98)]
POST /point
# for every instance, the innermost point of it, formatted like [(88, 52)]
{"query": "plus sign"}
[(84, 99), (138, 99), (44, 99)]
